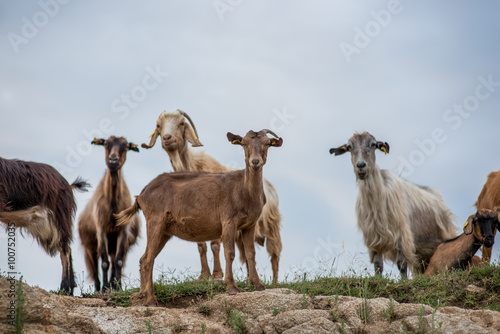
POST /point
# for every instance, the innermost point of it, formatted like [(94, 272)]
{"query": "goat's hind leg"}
[(205, 269), (248, 242), (156, 239), (217, 274), (228, 240)]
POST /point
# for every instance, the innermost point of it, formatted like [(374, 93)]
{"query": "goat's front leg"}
[(402, 265), (68, 276), (228, 239), (378, 261), (102, 244), (217, 274), (116, 278), (205, 269), (248, 242)]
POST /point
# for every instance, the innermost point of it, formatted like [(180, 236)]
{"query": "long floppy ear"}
[(133, 147), (469, 224), (98, 141), (152, 142), (339, 150), (234, 139), (191, 136), (276, 142), (497, 210), (383, 146)]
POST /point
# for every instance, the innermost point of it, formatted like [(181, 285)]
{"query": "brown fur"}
[(489, 198), (39, 200), (99, 234), (175, 135), (459, 252), (205, 206)]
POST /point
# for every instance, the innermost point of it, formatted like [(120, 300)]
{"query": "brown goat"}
[(175, 135), (205, 206), (97, 226), (489, 198), (459, 252), (36, 198)]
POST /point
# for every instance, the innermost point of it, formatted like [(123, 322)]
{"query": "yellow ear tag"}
[(151, 135), (236, 141), (195, 136), (383, 150), (466, 223)]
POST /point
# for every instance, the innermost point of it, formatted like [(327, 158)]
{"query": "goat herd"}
[(204, 200)]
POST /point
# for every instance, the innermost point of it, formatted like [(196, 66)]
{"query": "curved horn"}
[(190, 121), (271, 133)]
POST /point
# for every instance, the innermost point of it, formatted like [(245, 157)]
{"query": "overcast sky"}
[(421, 75)]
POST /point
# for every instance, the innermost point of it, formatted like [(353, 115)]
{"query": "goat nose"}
[(361, 164), (255, 162), (167, 137)]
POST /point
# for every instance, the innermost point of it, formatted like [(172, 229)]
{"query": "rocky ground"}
[(271, 311)]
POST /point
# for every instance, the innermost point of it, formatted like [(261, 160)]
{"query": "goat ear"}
[(339, 150), (276, 142), (469, 225), (152, 142), (234, 139), (133, 147), (384, 147), (98, 141), (191, 136)]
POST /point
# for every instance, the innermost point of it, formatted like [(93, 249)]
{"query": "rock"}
[(272, 311)]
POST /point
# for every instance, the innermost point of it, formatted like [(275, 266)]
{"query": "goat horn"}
[(190, 121), (271, 133)]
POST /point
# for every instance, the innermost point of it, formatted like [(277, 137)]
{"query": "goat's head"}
[(483, 224), (362, 147), (174, 131), (116, 151), (255, 145)]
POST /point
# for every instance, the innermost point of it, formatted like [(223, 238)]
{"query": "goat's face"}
[(174, 132), (483, 224), (362, 147), (116, 151), (255, 145)]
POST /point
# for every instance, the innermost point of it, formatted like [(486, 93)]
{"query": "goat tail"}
[(80, 185), (124, 216)]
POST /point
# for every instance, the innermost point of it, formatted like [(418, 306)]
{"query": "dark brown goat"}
[(99, 233), (36, 198), (203, 206), (459, 252), (489, 198)]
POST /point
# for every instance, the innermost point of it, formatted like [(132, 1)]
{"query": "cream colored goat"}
[(176, 134)]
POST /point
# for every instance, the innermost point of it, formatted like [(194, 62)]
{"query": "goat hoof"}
[(233, 291), (260, 288)]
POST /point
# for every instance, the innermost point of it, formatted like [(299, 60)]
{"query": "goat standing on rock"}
[(401, 221), (99, 233), (175, 135), (36, 198), (204, 206)]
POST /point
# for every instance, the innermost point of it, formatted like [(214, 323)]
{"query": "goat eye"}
[(182, 124)]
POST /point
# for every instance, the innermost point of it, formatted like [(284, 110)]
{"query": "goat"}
[(489, 198), (400, 221), (459, 252), (176, 134), (99, 234), (36, 198), (205, 206)]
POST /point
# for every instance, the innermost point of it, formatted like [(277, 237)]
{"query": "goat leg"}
[(378, 262), (116, 276), (217, 274), (68, 276), (248, 236), (103, 247), (205, 269), (402, 265), (228, 239)]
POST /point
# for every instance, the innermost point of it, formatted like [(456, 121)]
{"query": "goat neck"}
[(113, 185)]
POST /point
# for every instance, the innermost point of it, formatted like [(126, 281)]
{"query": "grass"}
[(446, 289)]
